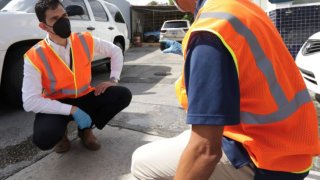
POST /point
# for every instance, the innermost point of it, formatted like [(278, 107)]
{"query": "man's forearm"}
[(197, 163), (202, 153)]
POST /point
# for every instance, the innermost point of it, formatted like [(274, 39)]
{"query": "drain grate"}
[(162, 73)]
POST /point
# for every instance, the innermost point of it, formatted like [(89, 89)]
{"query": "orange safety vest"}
[(278, 123), (57, 79)]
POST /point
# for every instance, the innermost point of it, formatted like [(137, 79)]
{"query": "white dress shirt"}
[(32, 86)]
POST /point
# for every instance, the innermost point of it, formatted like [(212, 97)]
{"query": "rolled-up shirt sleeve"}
[(108, 49), (212, 82)]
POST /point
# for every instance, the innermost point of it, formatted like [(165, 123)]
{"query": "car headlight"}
[(310, 47)]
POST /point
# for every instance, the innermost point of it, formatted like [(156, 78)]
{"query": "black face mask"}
[(62, 28)]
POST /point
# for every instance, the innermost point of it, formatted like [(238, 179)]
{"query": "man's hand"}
[(82, 118), (171, 46), (202, 153), (102, 87)]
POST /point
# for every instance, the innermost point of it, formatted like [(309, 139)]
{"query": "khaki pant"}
[(159, 160)]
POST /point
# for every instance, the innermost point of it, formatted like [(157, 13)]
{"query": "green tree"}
[(171, 2), (153, 3), (188, 16)]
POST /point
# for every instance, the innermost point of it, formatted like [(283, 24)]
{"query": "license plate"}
[(174, 33)]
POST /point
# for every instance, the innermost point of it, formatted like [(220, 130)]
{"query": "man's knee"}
[(138, 166), (126, 96), (145, 165), (45, 140)]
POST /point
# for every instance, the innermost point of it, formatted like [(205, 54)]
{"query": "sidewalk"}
[(111, 162)]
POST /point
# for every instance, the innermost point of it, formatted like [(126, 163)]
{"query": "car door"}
[(105, 29), (80, 23), (118, 18)]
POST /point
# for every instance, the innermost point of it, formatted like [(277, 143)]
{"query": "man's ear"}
[(43, 26)]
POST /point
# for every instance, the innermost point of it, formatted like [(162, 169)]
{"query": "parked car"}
[(174, 30), (308, 61), (151, 36), (20, 31), (118, 20)]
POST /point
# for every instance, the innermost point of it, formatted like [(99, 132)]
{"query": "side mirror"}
[(74, 10)]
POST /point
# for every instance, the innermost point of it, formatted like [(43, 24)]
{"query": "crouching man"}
[(57, 78)]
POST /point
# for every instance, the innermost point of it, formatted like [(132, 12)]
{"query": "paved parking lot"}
[(153, 114)]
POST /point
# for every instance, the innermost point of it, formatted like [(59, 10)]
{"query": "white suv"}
[(19, 31), (308, 62), (174, 30)]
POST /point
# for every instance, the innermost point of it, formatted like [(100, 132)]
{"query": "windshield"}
[(18, 5), (176, 24)]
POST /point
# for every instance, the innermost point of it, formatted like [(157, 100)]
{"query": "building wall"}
[(124, 7)]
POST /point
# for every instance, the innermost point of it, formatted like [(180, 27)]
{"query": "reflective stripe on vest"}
[(69, 91), (286, 108), (47, 66), (84, 45)]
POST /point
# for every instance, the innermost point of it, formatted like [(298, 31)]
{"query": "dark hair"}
[(43, 5)]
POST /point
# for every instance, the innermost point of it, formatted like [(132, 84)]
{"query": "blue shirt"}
[(211, 83), (214, 96)]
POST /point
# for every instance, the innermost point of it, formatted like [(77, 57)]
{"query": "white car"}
[(19, 31), (174, 30), (308, 61)]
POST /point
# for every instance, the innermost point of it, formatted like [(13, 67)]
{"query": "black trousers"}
[(48, 129)]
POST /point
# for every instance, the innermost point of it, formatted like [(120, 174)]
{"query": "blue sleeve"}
[(212, 82)]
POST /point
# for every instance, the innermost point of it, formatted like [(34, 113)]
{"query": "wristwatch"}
[(114, 80)]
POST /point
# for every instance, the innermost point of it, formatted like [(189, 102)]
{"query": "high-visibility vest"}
[(58, 80), (278, 122)]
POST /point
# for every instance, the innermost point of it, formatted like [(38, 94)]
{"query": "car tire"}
[(12, 76), (120, 46)]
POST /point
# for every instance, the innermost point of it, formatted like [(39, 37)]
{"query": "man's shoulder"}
[(84, 33), (37, 45)]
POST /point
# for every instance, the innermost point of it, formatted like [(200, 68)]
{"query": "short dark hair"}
[(43, 5)]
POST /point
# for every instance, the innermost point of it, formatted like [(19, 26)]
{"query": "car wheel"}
[(120, 46), (12, 76)]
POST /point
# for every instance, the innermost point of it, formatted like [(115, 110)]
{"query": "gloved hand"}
[(171, 46), (82, 118)]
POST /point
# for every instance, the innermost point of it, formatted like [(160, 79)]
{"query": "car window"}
[(176, 24), (28, 6), (3, 3), (115, 12), (81, 3), (98, 11)]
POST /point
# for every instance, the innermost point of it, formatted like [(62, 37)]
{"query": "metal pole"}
[(153, 20)]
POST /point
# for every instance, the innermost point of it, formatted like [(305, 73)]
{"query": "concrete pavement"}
[(153, 114), (111, 162)]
